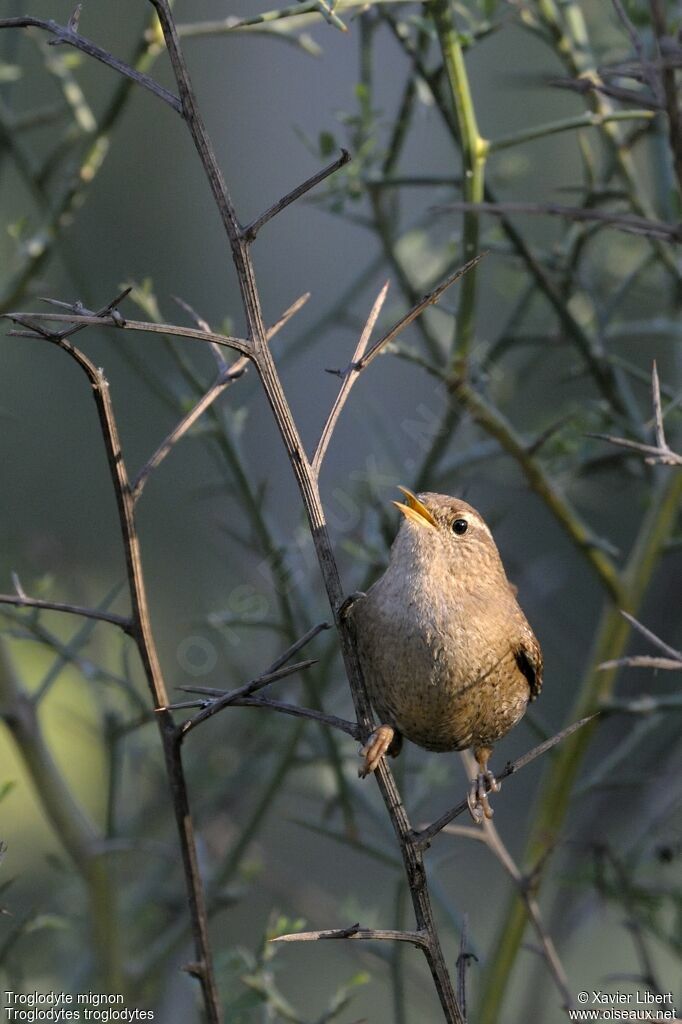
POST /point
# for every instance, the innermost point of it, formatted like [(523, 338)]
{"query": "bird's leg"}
[(485, 781), (384, 740)]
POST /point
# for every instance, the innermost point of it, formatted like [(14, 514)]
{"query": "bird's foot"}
[(477, 798), (345, 609), (374, 749)]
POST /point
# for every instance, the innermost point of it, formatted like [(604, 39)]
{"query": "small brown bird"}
[(449, 659)]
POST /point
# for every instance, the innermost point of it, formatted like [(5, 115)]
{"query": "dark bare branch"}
[(298, 645), (493, 840), (212, 707), (648, 70), (428, 300), (350, 728), (463, 960), (34, 320), (66, 35), (587, 84), (629, 222), (141, 631), (22, 601), (227, 375), (251, 230)]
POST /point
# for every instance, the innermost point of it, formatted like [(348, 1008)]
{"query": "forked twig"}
[(659, 454), (22, 601), (672, 661), (251, 230), (212, 706), (423, 837), (33, 322), (66, 34), (141, 632), (419, 307), (227, 375), (349, 378)]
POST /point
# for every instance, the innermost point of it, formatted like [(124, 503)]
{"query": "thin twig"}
[(493, 841), (142, 633), (638, 46), (660, 453), (67, 36), (655, 640), (592, 83), (33, 320), (643, 661), (294, 710), (298, 645), (350, 376), (419, 939), (21, 601), (423, 837), (654, 454), (212, 707), (227, 375), (309, 490), (622, 221), (251, 230), (417, 309)]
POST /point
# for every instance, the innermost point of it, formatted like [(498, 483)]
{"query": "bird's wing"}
[(529, 659)]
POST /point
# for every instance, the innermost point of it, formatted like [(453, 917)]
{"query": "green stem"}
[(554, 799), (474, 153), (72, 826), (590, 119), (568, 30)]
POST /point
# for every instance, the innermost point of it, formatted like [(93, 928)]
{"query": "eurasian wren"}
[(449, 659)]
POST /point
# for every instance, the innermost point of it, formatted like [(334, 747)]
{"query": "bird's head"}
[(437, 526)]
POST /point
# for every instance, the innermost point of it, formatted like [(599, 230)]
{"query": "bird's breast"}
[(437, 665)]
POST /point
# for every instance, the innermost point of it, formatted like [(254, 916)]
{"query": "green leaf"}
[(327, 144), (48, 922)]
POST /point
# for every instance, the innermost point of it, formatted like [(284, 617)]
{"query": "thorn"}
[(16, 583), (196, 969), (72, 23)]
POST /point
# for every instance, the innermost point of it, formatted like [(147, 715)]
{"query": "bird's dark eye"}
[(460, 526)]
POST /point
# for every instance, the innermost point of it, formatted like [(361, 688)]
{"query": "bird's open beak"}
[(414, 509)]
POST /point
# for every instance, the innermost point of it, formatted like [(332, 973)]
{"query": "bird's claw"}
[(375, 748), (477, 798)]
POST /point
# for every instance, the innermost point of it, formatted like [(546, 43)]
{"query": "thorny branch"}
[(659, 454), (524, 884), (423, 837), (141, 632), (68, 36), (32, 322), (672, 660), (22, 601), (257, 350)]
